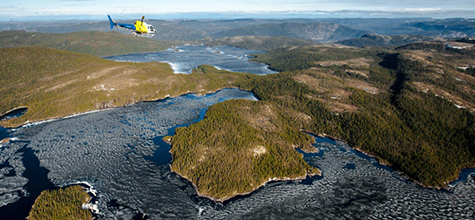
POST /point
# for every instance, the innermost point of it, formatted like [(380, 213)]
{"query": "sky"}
[(23, 9)]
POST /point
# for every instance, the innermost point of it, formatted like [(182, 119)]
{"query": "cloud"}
[(8, 9), (421, 9), (404, 11)]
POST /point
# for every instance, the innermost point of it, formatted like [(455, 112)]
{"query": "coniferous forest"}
[(411, 108)]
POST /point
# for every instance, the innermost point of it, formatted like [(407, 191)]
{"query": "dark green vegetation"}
[(258, 42), (53, 83), (470, 40), (88, 42), (444, 48), (411, 123), (62, 203), (397, 105), (287, 59), (240, 145)]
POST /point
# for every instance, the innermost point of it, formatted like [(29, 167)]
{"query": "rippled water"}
[(183, 59), (116, 152), (111, 150)]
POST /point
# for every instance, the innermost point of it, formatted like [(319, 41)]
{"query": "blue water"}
[(324, 140), (4, 133), (183, 59), (38, 182), (350, 166), (465, 175), (14, 114)]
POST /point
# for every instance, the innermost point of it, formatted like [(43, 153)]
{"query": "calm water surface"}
[(183, 59)]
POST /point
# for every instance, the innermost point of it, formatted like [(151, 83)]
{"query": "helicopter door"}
[(150, 29)]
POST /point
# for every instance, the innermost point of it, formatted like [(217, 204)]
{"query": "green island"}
[(411, 107), (239, 146), (64, 203)]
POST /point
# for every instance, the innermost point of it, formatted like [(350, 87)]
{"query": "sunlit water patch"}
[(183, 59)]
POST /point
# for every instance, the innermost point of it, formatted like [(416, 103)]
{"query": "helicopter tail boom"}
[(112, 22)]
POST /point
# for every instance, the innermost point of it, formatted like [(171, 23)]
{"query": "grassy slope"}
[(61, 204), (53, 83), (88, 42)]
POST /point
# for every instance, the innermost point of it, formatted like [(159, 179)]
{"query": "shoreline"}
[(88, 188), (384, 162), (222, 200), (28, 123), (12, 110), (379, 160)]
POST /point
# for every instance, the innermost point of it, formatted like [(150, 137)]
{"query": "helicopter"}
[(139, 28)]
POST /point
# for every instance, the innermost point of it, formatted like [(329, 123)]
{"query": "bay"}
[(183, 59)]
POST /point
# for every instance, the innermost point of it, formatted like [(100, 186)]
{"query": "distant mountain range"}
[(450, 28), (319, 30), (305, 31), (384, 40), (258, 42)]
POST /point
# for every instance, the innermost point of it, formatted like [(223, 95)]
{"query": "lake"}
[(183, 59)]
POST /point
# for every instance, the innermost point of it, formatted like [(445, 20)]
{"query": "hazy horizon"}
[(97, 9)]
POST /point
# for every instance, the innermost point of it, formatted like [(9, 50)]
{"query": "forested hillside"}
[(420, 121), (88, 42), (412, 109)]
